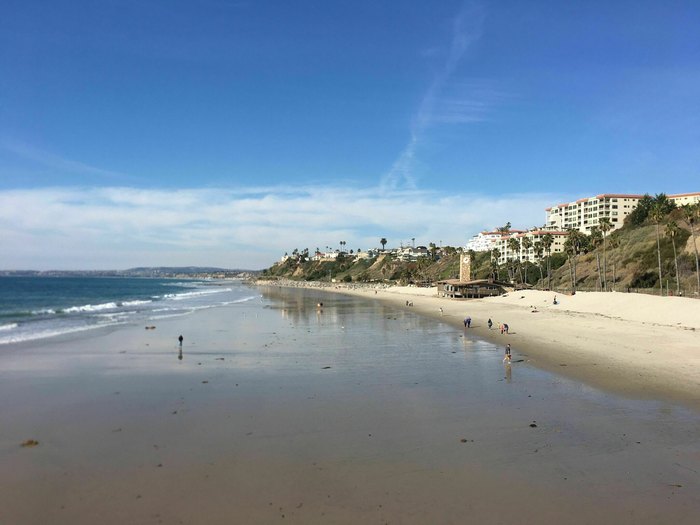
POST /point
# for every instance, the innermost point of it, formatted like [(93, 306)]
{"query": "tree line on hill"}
[(649, 252)]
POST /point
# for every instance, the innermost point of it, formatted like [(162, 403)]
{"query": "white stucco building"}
[(585, 213), (681, 199), (483, 241), (507, 254)]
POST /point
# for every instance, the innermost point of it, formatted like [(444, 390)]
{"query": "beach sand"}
[(362, 411)]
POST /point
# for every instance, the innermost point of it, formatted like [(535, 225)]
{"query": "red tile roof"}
[(618, 196), (683, 195)]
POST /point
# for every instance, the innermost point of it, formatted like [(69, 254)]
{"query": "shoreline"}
[(358, 412), (638, 346)]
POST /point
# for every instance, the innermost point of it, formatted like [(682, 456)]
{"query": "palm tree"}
[(605, 226), (514, 246), (595, 239), (569, 250), (433, 250), (526, 244), (614, 242), (539, 250), (495, 255), (663, 202), (547, 241), (573, 246), (691, 212), (383, 242), (656, 214), (672, 231), (504, 229)]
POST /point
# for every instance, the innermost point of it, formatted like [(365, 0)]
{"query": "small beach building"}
[(475, 289)]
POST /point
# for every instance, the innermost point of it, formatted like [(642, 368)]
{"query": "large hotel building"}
[(581, 215)]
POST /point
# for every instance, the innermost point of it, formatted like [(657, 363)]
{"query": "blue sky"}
[(228, 132)]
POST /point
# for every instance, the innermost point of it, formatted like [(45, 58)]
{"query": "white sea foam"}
[(186, 295), (184, 284), (49, 322), (135, 302), (49, 311), (244, 300), (43, 334), (90, 308)]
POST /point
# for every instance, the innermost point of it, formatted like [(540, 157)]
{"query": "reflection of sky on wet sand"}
[(368, 393)]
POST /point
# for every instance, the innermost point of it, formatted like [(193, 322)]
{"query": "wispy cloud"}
[(59, 163), (467, 102), (118, 227), (466, 29)]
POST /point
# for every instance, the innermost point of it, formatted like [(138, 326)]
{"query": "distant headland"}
[(177, 272)]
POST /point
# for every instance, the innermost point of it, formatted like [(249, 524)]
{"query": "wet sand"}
[(637, 345), (357, 413)]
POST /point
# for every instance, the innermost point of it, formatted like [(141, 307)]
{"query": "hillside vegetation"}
[(626, 259)]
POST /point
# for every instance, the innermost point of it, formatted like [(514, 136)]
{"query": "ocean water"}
[(34, 308)]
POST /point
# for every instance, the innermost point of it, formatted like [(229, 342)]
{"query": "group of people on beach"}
[(503, 327)]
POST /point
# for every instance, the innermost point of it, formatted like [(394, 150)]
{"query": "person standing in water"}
[(506, 358)]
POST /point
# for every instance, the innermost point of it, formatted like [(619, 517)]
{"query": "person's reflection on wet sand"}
[(509, 373), (179, 355)]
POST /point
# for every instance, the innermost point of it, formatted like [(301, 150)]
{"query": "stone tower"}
[(465, 268)]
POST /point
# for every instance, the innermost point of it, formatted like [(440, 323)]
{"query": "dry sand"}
[(638, 345)]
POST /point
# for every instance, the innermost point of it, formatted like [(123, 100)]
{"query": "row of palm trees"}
[(578, 243), (691, 214), (515, 266)]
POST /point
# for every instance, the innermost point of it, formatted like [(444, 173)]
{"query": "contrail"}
[(466, 29)]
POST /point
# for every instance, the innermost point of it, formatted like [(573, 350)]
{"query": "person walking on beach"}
[(490, 323), (468, 320), (181, 339), (506, 358), (505, 328)]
